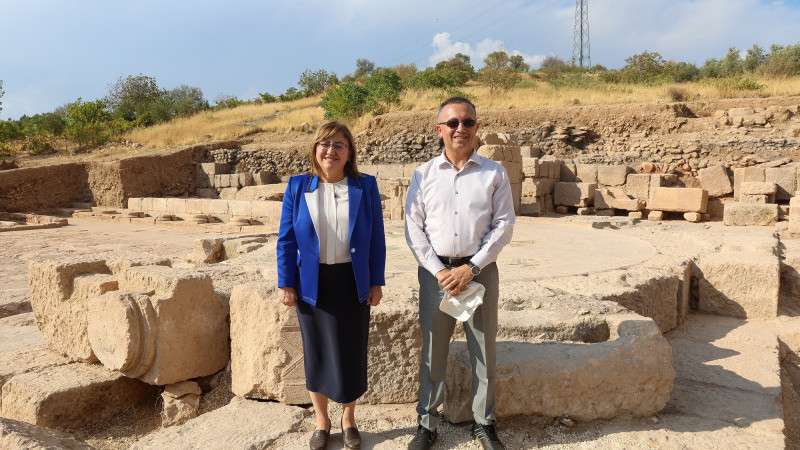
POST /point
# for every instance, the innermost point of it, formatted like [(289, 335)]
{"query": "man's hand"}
[(375, 295), (454, 280), (287, 296)]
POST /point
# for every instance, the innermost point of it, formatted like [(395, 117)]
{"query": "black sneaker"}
[(486, 435), (423, 439)]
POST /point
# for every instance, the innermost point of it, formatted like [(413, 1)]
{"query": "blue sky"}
[(54, 51)]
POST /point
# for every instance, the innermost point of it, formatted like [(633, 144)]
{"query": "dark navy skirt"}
[(335, 336)]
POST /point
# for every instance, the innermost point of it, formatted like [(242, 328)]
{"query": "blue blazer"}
[(298, 243)]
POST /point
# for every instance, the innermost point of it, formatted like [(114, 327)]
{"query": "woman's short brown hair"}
[(325, 132)]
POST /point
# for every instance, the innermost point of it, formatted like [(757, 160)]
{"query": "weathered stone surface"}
[(794, 215), (586, 173), (655, 216), (638, 186), (760, 188), (574, 194), (650, 293), (785, 178), (16, 362), (693, 217), (242, 424), (750, 214), (20, 435), (577, 380), (744, 284), (616, 198), (715, 181), (60, 309), (207, 251), (181, 403), (267, 353), (164, 325), (71, 396), (19, 332), (612, 175), (746, 174), (529, 167), (678, 199), (273, 192)]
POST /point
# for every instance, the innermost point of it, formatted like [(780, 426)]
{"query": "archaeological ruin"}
[(650, 295)]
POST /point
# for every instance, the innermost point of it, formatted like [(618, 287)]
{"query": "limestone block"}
[(147, 205), (265, 177), (743, 284), (568, 172), (574, 194), (164, 325), (650, 293), (194, 206), (586, 173), (497, 139), (242, 424), (160, 205), (181, 403), (715, 181), (750, 214), (537, 187), (28, 359), (637, 185), (214, 207), (693, 217), (20, 435), (494, 152), (582, 381), (529, 167), (265, 209), (562, 210), (635, 214), (267, 351), (408, 169), (655, 216), (135, 204), (386, 171), (512, 153), (516, 195), (176, 205), (514, 171), (228, 193), (794, 215), (760, 199), (612, 175), (746, 174), (616, 198), (678, 199), (527, 208), (207, 251), (760, 188), (71, 396), (239, 208), (716, 207), (215, 168), (528, 151), (785, 178), (585, 211), (60, 309), (271, 192), (549, 168), (246, 179), (369, 169)]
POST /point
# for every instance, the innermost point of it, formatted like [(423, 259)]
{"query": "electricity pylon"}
[(580, 46)]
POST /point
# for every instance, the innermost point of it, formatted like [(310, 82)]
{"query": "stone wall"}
[(37, 188)]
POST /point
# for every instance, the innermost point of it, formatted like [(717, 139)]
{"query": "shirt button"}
[(455, 234), (456, 212), (352, 250)]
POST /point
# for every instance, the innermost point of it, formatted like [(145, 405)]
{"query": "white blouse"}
[(334, 223)]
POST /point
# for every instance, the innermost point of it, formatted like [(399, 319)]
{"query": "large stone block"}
[(612, 175), (568, 172), (537, 187), (678, 199), (267, 352), (59, 307), (616, 198), (514, 171), (582, 381), (785, 178), (164, 325), (715, 181), (746, 174), (638, 186), (215, 168), (495, 152), (272, 192), (586, 173), (650, 293), (744, 284), (497, 139), (794, 215), (20, 435), (574, 194), (71, 396), (750, 214), (549, 168), (529, 167), (386, 171)]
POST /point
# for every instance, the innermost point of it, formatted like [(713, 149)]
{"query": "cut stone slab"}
[(574, 194), (616, 198), (678, 199), (715, 181), (577, 380), (744, 284), (750, 214), (785, 178), (612, 175), (163, 326), (17, 362), (19, 332), (242, 424), (20, 435), (71, 396)]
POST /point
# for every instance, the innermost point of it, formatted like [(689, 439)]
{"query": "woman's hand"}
[(375, 295), (288, 296)]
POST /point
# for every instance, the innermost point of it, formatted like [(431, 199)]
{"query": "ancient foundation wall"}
[(37, 188)]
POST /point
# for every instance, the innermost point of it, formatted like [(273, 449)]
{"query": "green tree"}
[(754, 59), (497, 72), (364, 67), (518, 63), (405, 71), (461, 63), (316, 82), (645, 67), (136, 99), (88, 122), (732, 63), (384, 87), (782, 61), (345, 101), (186, 100), (442, 78)]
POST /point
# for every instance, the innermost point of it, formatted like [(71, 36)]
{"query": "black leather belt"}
[(454, 262)]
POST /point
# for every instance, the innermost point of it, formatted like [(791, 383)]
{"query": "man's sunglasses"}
[(453, 123)]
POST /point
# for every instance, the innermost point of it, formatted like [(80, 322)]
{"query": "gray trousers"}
[(437, 329)]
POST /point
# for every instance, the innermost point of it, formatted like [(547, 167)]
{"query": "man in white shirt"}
[(459, 215)]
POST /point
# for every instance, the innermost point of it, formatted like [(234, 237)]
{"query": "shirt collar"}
[(442, 160)]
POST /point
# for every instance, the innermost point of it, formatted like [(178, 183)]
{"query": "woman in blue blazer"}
[(331, 256)]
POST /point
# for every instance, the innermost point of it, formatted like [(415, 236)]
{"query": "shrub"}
[(87, 122), (291, 95), (384, 87), (346, 100), (266, 97), (442, 78), (316, 82), (677, 94), (575, 81), (732, 87), (227, 102), (461, 63), (498, 73)]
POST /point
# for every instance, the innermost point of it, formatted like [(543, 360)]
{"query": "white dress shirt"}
[(459, 213), (334, 224)]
